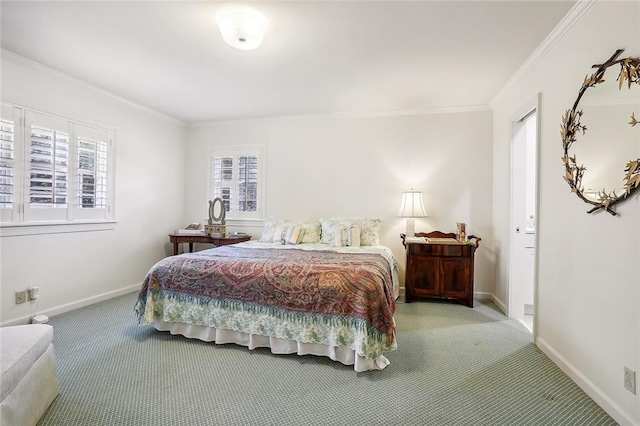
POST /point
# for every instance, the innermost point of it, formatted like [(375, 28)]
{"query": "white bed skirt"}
[(278, 346)]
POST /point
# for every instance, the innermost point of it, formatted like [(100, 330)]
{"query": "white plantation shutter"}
[(53, 170), (7, 155), (247, 183), (91, 178), (9, 188), (223, 179), (49, 167), (49, 171), (236, 178)]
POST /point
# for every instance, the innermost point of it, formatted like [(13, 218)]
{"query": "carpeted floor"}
[(453, 366)]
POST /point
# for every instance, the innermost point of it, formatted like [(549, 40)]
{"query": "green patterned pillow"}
[(311, 232), (369, 232)]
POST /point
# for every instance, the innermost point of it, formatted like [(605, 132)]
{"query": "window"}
[(7, 158), (52, 169), (236, 177)]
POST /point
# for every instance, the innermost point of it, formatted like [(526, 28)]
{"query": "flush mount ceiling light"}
[(242, 27)]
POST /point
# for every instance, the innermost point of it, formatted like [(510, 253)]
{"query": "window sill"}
[(20, 229)]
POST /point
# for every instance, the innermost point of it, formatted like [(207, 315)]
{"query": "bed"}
[(315, 298)]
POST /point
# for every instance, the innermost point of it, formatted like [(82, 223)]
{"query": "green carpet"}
[(453, 366)]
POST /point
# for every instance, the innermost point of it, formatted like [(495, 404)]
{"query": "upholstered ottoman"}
[(29, 381)]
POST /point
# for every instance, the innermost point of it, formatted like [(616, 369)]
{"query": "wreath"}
[(571, 127)]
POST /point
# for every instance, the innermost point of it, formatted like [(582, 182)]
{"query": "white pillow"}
[(354, 236), (347, 237), (293, 234), (269, 231), (369, 230), (279, 234), (340, 236), (329, 227)]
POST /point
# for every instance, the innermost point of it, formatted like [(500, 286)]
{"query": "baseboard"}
[(401, 293), (595, 393), (485, 295), (74, 305), (499, 304), (480, 295)]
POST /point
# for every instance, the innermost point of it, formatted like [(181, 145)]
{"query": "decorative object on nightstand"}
[(439, 266), (411, 207), (462, 231), (217, 224)]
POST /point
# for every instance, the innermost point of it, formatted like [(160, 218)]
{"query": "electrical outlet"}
[(630, 380), (21, 297)]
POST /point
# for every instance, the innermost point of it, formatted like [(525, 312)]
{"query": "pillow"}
[(329, 227), (311, 232), (369, 230), (292, 234), (347, 237), (269, 231), (279, 234), (354, 236), (340, 236)]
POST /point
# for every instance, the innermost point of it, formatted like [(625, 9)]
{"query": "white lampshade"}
[(412, 205), (242, 27)]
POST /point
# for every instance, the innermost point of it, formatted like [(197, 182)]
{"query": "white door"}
[(523, 218)]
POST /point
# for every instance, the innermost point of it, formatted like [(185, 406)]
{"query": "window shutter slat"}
[(7, 156), (92, 173), (235, 177), (49, 174)]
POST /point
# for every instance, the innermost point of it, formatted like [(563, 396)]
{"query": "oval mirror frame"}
[(217, 210), (571, 127)]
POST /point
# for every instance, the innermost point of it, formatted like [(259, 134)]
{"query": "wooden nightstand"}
[(440, 270), (176, 239)]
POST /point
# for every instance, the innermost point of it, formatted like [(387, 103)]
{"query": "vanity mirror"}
[(217, 223), (600, 130)]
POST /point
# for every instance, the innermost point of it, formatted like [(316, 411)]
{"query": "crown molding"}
[(344, 115), (554, 36), (74, 80)]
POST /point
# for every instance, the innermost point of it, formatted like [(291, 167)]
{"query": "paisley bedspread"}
[(325, 297)]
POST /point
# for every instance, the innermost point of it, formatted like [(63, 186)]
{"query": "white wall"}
[(588, 282), (339, 166), (71, 267)]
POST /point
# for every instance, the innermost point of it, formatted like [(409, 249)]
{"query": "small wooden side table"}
[(440, 270), (176, 239)]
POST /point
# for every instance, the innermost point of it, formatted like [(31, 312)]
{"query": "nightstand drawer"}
[(448, 250)]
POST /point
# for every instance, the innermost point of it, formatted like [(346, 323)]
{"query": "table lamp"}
[(411, 207)]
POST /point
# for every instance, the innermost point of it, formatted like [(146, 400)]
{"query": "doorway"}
[(524, 196)]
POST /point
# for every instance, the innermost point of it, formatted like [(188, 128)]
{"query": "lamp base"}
[(411, 227)]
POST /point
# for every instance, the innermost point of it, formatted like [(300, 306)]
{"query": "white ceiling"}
[(317, 57)]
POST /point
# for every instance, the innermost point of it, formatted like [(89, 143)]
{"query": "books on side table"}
[(189, 232)]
